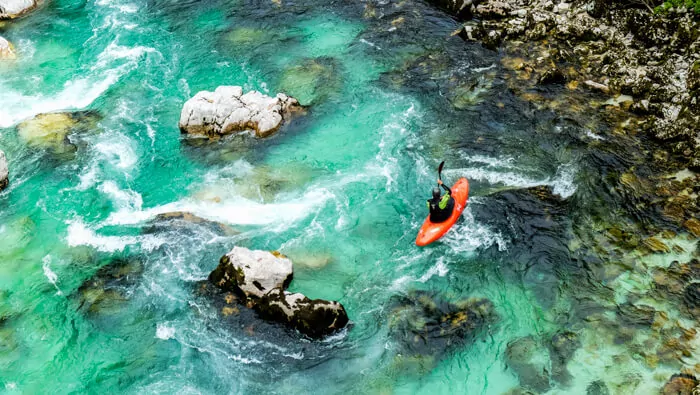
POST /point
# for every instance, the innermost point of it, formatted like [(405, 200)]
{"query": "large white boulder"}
[(252, 273), (6, 49), (4, 172), (227, 110), (13, 8)]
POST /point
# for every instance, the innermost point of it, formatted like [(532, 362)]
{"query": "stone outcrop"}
[(251, 273), (227, 110), (13, 8), (681, 384), (52, 131), (7, 51), (4, 172), (260, 279), (314, 318), (618, 48)]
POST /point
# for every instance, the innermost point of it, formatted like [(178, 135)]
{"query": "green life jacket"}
[(443, 201)]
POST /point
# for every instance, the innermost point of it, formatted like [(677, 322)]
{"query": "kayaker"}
[(441, 206)]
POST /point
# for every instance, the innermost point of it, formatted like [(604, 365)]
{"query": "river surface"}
[(340, 190)]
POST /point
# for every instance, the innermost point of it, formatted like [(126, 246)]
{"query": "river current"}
[(341, 191)]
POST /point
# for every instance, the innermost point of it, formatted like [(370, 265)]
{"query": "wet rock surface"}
[(618, 49), (426, 326), (250, 273), (681, 384), (10, 9), (314, 318), (228, 110), (57, 133), (7, 51), (105, 293), (181, 220), (259, 278), (4, 172), (524, 357)]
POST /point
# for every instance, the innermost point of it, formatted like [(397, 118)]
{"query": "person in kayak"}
[(441, 206)]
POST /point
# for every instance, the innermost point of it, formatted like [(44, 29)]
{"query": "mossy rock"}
[(52, 131), (312, 81), (105, 293)]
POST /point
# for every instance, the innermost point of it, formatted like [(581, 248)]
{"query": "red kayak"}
[(430, 231)]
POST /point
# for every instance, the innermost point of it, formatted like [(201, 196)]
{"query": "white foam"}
[(165, 332), (81, 235), (234, 210), (123, 199), (77, 93), (440, 268), (469, 235), (562, 183), (116, 151), (50, 275)]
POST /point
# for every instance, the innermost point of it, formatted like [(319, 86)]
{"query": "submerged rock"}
[(227, 110), (4, 172), (562, 347), (428, 326), (314, 318), (252, 273), (6, 49), (182, 219), (681, 384), (13, 8), (597, 387), (105, 292), (312, 81), (52, 131), (526, 358)]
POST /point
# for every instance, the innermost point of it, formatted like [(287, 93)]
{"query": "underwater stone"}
[(252, 273), (227, 110), (13, 8), (561, 348), (6, 49), (680, 384), (691, 297), (51, 131), (315, 318), (632, 315), (424, 324), (4, 172), (693, 225), (182, 219), (597, 387), (312, 81), (523, 356), (105, 292)]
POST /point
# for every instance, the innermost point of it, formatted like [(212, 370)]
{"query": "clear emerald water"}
[(340, 190)]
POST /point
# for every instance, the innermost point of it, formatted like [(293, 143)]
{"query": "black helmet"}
[(436, 193)]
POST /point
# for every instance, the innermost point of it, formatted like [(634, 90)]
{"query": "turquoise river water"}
[(340, 190)]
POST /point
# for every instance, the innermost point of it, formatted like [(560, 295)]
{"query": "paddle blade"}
[(442, 164)]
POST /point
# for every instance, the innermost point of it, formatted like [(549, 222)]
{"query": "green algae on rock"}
[(313, 81), (53, 131)]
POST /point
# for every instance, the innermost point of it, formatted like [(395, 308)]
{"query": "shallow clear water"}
[(340, 190)]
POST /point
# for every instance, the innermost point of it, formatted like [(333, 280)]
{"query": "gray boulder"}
[(13, 8), (314, 318), (4, 172), (227, 110), (6, 49), (252, 273)]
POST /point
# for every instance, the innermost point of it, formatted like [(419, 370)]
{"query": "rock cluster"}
[(260, 278), (618, 48), (4, 172), (13, 8), (227, 110)]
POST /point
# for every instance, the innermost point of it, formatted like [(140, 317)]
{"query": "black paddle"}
[(442, 164)]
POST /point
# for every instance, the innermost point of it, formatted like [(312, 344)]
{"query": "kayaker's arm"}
[(445, 187)]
